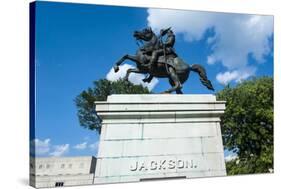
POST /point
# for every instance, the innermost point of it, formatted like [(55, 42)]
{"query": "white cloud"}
[(60, 150), (94, 146), (230, 157), (190, 23), (211, 60), (81, 146), (45, 148), (236, 75), (41, 147), (236, 36), (133, 78)]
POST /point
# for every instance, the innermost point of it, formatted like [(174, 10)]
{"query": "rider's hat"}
[(164, 31)]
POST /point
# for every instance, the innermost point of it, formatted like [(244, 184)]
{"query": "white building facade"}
[(61, 171)]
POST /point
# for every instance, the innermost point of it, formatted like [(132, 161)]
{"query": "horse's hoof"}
[(116, 69), (145, 80), (165, 92)]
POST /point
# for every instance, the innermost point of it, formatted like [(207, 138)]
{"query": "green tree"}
[(247, 125), (85, 101)]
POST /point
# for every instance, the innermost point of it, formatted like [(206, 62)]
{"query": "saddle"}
[(174, 61)]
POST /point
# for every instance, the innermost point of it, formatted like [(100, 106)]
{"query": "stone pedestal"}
[(147, 137)]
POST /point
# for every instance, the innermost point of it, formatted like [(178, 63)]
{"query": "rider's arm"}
[(170, 41)]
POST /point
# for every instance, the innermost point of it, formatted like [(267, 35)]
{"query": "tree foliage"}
[(247, 125), (85, 101)]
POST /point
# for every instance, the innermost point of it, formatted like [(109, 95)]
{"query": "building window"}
[(62, 166), (70, 166), (59, 184), (40, 166), (48, 166)]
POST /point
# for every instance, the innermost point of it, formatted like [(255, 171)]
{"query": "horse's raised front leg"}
[(131, 70), (125, 57), (175, 82)]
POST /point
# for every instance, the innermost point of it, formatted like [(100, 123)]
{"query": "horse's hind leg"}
[(175, 82), (178, 91)]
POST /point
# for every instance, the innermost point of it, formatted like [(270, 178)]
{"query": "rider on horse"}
[(165, 48), (161, 49), (170, 65)]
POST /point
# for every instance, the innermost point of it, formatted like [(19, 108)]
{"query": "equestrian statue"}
[(157, 58)]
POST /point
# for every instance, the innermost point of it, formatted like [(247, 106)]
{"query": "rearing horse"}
[(168, 66)]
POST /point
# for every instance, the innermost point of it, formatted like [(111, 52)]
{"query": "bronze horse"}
[(168, 66)]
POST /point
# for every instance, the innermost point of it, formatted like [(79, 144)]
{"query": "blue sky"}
[(78, 43)]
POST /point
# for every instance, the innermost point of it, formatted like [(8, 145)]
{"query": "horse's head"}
[(145, 34)]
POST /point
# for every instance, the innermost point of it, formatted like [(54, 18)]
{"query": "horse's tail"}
[(203, 76)]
